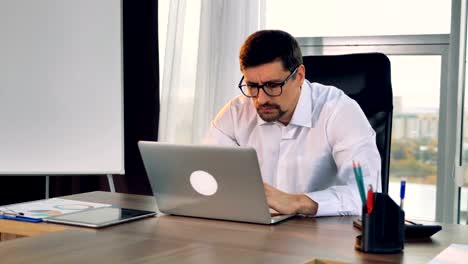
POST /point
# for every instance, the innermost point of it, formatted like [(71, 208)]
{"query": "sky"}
[(416, 79)]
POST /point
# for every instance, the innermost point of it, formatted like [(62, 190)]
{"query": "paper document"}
[(455, 253), (45, 208)]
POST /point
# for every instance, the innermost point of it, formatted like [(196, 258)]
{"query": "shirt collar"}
[(302, 115)]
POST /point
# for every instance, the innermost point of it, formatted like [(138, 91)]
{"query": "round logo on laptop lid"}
[(203, 183)]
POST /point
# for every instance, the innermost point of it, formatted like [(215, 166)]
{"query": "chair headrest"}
[(365, 77)]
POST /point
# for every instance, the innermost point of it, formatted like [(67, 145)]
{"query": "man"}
[(306, 135)]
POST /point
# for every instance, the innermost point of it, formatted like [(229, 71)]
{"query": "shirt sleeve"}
[(351, 138), (221, 131)]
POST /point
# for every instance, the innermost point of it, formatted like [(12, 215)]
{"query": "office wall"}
[(141, 89)]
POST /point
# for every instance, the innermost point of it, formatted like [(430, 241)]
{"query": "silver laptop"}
[(207, 181)]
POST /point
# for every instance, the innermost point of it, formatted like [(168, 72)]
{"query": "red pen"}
[(370, 200)]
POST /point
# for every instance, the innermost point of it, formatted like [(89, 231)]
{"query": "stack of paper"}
[(455, 253), (45, 208)]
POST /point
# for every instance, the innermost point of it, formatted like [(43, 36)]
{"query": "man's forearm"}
[(305, 205)]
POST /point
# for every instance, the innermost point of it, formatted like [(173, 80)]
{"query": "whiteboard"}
[(61, 95)]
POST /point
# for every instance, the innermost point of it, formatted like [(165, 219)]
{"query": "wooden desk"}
[(15, 229), (172, 239)]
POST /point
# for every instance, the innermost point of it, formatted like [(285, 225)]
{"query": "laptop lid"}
[(208, 181)]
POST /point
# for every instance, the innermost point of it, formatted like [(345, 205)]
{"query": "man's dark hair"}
[(266, 46)]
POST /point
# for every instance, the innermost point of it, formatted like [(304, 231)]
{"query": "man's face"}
[(278, 108)]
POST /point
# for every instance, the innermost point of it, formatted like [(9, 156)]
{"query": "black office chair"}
[(364, 77)]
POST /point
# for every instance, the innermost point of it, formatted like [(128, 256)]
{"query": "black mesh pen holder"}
[(383, 230)]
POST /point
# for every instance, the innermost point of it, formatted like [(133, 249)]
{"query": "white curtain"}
[(199, 78), (170, 98), (224, 26)]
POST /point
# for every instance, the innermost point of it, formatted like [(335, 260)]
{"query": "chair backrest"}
[(364, 77)]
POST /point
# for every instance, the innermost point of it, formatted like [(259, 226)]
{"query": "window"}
[(318, 18), (418, 68), (416, 94)]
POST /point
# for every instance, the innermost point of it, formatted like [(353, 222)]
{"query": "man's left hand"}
[(286, 203)]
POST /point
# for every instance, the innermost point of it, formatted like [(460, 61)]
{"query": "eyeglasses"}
[(271, 89)]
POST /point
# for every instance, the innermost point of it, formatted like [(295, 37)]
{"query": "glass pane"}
[(318, 18), (416, 91), (464, 191), (464, 201)]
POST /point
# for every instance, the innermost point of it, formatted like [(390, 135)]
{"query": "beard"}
[(269, 112)]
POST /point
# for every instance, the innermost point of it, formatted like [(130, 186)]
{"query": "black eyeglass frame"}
[(280, 84)]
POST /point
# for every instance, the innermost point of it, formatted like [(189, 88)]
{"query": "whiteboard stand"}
[(47, 180), (110, 179)]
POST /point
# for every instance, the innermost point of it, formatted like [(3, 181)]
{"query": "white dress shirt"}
[(313, 154)]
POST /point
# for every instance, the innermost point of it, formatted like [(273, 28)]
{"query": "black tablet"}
[(421, 231), (100, 217), (412, 230)]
